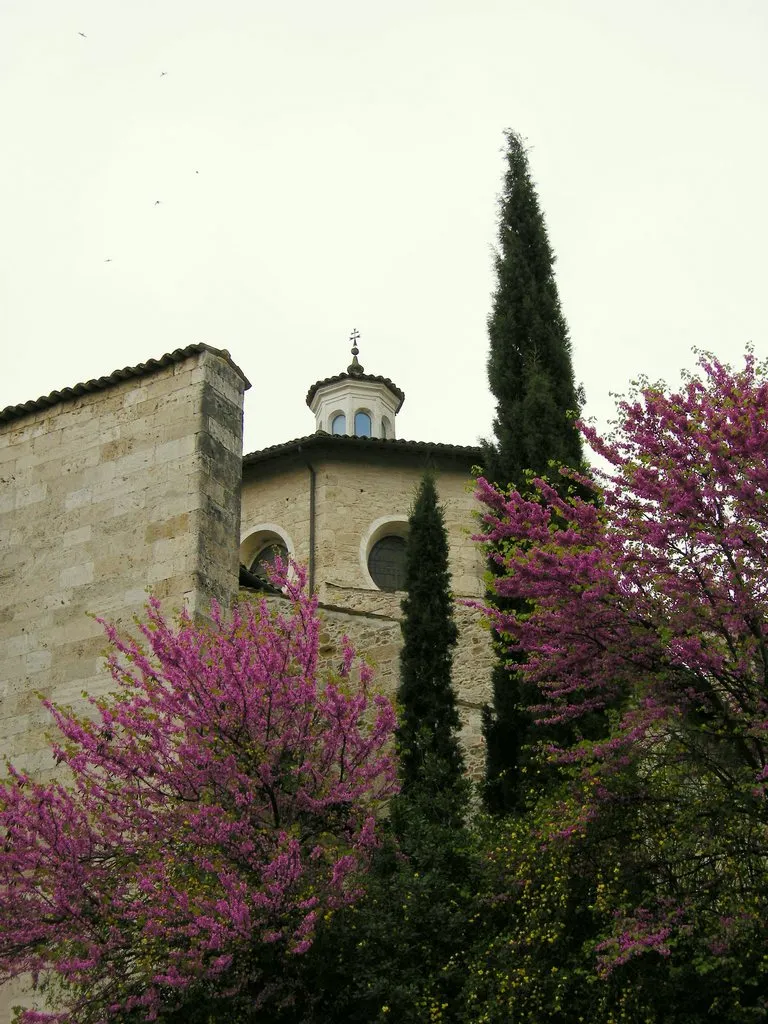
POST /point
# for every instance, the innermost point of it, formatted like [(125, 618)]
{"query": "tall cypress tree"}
[(431, 761), (531, 377)]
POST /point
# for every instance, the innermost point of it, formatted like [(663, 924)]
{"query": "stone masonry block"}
[(174, 450), (31, 495), (167, 529), (76, 575)]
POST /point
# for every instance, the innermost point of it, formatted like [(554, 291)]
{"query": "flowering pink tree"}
[(650, 605), (221, 802)]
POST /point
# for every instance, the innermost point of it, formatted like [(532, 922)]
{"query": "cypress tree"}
[(402, 945), (531, 377), (431, 761), (529, 365)]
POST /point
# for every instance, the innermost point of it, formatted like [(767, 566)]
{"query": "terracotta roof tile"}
[(12, 412), (372, 378), (344, 442)]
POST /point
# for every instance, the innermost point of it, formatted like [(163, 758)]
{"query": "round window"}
[(266, 558), (386, 563)]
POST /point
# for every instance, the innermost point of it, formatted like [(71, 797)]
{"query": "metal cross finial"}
[(353, 338), (354, 367)]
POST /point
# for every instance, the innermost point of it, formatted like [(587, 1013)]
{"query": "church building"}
[(338, 501), (137, 481)]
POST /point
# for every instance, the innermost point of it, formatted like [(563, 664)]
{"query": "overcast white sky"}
[(329, 165)]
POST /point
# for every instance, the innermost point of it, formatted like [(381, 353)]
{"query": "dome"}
[(355, 402)]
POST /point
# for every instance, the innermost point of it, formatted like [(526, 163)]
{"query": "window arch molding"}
[(395, 525), (255, 538)]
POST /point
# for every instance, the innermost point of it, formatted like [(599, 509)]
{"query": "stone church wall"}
[(134, 484), (378, 639), (280, 499), (352, 495), (130, 486)]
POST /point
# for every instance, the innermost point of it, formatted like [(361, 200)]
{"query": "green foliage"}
[(529, 963), (509, 758), (529, 365), (549, 898), (650, 603), (531, 377), (399, 954), (431, 761)]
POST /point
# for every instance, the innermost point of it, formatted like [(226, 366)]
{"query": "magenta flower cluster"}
[(647, 585), (218, 804)]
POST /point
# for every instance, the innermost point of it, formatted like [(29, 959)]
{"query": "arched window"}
[(339, 424), (266, 558), (261, 545), (362, 424), (386, 563)]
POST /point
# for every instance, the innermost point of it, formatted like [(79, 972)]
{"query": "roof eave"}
[(368, 378), (14, 412), (333, 443)]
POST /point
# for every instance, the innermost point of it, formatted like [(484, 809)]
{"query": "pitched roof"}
[(359, 375), (12, 412), (344, 442)]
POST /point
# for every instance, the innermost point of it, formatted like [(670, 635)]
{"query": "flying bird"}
[(83, 35), (163, 73), (107, 261), (157, 202)]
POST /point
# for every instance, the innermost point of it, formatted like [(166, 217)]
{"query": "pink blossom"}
[(650, 600), (223, 798)]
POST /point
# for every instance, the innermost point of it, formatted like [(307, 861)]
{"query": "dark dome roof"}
[(359, 375), (333, 444)]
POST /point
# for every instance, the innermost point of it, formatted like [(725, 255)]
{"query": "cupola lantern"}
[(355, 402)]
